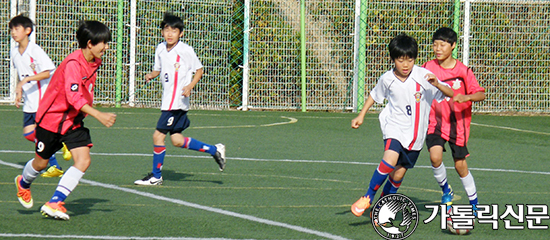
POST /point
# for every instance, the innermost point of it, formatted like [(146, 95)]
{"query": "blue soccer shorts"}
[(407, 158), (29, 119), (174, 121)]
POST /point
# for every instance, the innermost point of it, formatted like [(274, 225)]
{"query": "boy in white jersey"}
[(34, 69), (180, 70), (410, 91)]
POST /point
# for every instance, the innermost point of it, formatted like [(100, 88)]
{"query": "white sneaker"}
[(220, 156), (149, 180)]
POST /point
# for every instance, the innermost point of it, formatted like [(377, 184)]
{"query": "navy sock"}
[(196, 145), (53, 162), (158, 160), (378, 178), (391, 186)]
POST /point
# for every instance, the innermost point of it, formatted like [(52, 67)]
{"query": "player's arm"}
[(40, 76), (358, 121), (187, 89), (151, 75), (107, 119), (19, 88), (476, 97), (445, 89)]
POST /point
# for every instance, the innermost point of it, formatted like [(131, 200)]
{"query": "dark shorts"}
[(457, 151), (48, 143), (407, 158), (29, 119), (174, 121)]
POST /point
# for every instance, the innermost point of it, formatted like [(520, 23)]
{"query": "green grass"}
[(305, 174)]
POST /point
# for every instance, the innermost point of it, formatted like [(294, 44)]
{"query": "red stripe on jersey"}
[(37, 82), (416, 119), (175, 83)]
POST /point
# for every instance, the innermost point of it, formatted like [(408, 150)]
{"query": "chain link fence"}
[(251, 49), (509, 47), (5, 38)]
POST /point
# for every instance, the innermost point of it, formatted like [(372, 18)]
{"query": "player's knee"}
[(31, 136), (177, 143)]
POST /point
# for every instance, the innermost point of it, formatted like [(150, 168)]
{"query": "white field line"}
[(206, 208), (41, 236), (287, 160), (510, 128)]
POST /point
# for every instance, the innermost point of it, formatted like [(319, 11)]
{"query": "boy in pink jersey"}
[(409, 90), (34, 68), (180, 70), (67, 101), (450, 119)]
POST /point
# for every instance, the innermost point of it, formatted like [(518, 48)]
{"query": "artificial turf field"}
[(289, 175)]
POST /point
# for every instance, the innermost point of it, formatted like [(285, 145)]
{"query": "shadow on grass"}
[(177, 176), (84, 206)]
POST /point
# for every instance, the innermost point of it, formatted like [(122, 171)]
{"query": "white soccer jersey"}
[(33, 61), (407, 112), (176, 67)]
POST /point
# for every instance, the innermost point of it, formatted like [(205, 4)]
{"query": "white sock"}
[(69, 181), (29, 173), (470, 187), (440, 174)]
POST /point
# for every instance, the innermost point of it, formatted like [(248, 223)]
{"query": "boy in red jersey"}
[(450, 119), (67, 101)]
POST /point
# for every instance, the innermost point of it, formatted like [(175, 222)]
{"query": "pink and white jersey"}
[(407, 112), (33, 61), (176, 67)]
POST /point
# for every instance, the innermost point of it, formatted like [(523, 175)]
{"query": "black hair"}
[(21, 20), (445, 34), (93, 31), (171, 20), (403, 45)]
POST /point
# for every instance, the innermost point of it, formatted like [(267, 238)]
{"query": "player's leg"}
[(217, 151), (467, 180), (407, 159), (181, 122), (394, 180), (23, 182), (436, 148), (79, 143), (386, 166), (460, 153), (29, 133), (165, 124), (159, 150), (46, 145)]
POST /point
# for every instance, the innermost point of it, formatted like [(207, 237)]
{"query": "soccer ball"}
[(450, 225), (455, 231)]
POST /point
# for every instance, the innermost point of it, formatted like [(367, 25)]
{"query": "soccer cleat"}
[(447, 198), (220, 156), (54, 210), (66, 153), (149, 180), (359, 207), (23, 194), (53, 171)]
